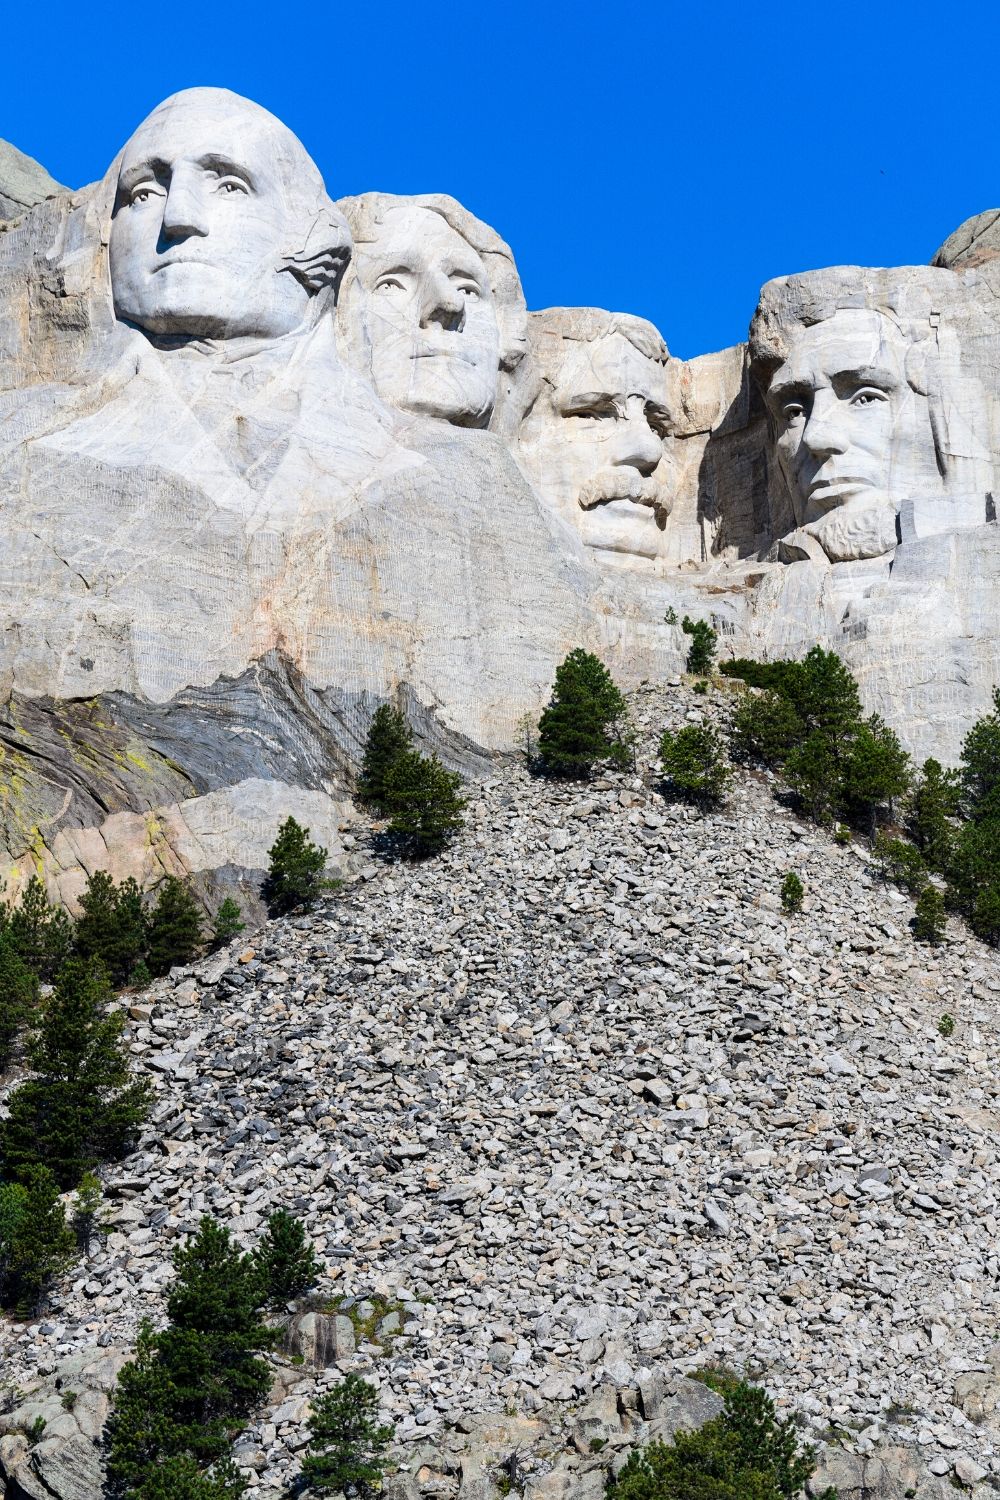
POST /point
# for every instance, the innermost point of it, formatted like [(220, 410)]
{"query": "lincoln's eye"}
[(792, 411)]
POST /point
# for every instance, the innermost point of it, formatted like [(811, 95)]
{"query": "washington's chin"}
[(196, 301)]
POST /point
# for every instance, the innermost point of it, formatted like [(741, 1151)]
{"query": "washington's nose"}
[(442, 303), (183, 213), (825, 431), (636, 444)]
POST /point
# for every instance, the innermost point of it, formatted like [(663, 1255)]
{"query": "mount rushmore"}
[(268, 459)]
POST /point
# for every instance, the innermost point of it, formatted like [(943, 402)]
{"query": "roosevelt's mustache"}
[(626, 484)]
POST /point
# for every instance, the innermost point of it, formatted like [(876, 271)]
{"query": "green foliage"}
[(389, 737), (811, 771), (424, 802), (295, 873), (585, 721), (41, 933), (111, 925), (36, 1244), (175, 933), (946, 1025), (36, 1431), (984, 918), (704, 644), (81, 1106), (226, 924), (875, 769), (285, 1261), (18, 996), (193, 1384), (87, 1206), (346, 1443), (900, 862), (933, 806), (929, 921), (670, 617), (746, 1453), (766, 728), (701, 688), (792, 892), (980, 773), (694, 763)]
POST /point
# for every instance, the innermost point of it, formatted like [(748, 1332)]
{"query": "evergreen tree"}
[(294, 876), (285, 1260), (41, 933), (347, 1444), (585, 721), (194, 1383), (766, 727), (929, 921), (694, 763), (704, 643), (18, 996), (984, 919), (792, 893), (874, 770), (425, 801), (931, 812), (975, 864), (824, 694), (389, 737), (36, 1244), (81, 1107), (811, 771), (112, 925), (980, 771), (227, 923), (175, 933), (900, 862)]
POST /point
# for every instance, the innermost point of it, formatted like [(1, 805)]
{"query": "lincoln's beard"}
[(623, 483)]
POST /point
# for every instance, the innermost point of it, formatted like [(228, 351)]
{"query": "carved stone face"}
[(599, 455), (842, 412), (210, 200), (430, 317)]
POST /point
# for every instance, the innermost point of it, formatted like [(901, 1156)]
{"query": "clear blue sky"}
[(657, 158)]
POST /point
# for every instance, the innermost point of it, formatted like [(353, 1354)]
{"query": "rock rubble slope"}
[(577, 1101)]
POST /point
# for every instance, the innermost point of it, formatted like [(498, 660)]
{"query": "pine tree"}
[(193, 1384), (704, 643), (347, 1444), (694, 763), (875, 769), (175, 933), (811, 771), (900, 862), (766, 728), (111, 925), (36, 1244), (388, 738), (294, 876), (932, 809), (227, 923), (984, 919), (18, 996), (285, 1260), (792, 893), (980, 770), (824, 694), (585, 720), (41, 933), (425, 801), (81, 1107), (929, 921)]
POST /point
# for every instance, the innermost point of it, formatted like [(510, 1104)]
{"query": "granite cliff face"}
[(268, 460)]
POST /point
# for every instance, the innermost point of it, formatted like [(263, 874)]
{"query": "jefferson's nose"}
[(183, 211), (825, 431), (636, 444), (442, 303)]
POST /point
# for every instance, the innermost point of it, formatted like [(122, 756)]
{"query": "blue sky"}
[(657, 158)]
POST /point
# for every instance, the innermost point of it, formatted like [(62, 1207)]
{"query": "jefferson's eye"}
[(470, 291), (389, 284)]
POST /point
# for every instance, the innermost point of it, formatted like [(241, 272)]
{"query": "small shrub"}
[(585, 721), (929, 921), (842, 834), (670, 618), (87, 1221), (175, 933), (227, 924), (746, 1453), (694, 763), (900, 862), (792, 892), (946, 1025), (388, 738), (285, 1260), (36, 1243), (704, 644), (36, 1431), (425, 801), (701, 688), (346, 1444), (295, 873), (68, 1400)]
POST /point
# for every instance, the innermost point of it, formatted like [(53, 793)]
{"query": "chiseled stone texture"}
[(23, 182)]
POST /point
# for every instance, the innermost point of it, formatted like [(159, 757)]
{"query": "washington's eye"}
[(144, 192), (232, 185), (868, 397)]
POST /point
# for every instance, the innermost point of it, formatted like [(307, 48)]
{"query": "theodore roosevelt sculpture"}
[(433, 308), (593, 440)]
